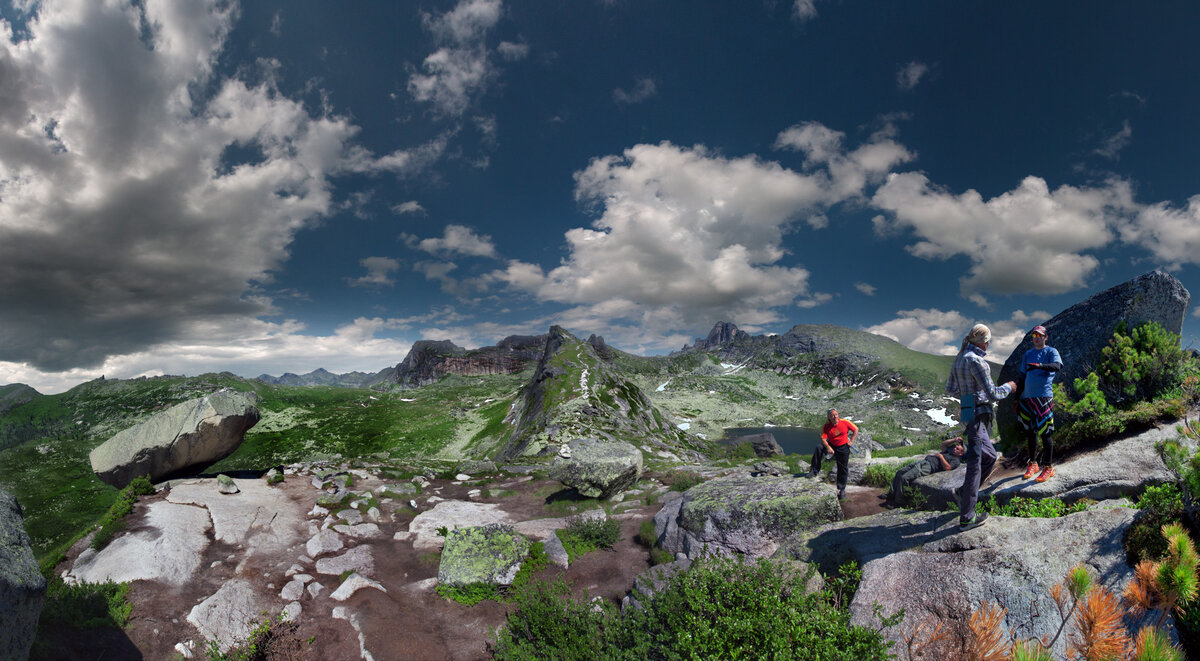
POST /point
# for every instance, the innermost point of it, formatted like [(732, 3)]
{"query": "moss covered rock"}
[(598, 469), (490, 554), (743, 514)]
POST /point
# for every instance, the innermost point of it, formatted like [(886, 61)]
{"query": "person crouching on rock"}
[(971, 381), (1035, 407), (836, 438), (947, 460)]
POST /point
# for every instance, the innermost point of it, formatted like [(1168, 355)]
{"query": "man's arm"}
[(851, 432), (945, 464)]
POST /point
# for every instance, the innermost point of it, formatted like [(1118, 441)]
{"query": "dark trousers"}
[(906, 476), (980, 459), (841, 456)]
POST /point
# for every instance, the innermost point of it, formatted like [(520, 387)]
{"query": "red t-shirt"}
[(836, 435)]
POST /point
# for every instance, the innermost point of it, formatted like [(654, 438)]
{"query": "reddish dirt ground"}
[(403, 623)]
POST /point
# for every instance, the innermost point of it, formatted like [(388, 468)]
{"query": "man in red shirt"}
[(836, 438)]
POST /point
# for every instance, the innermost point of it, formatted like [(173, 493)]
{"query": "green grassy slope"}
[(44, 443)]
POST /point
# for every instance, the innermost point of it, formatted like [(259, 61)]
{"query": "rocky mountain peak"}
[(723, 333)]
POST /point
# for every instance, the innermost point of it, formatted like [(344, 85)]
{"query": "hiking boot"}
[(1047, 473), (842, 495), (1031, 470), (971, 524)]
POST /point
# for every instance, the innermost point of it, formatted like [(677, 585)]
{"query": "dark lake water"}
[(793, 440)]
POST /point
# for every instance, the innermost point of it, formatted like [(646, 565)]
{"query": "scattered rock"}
[(187, 436), (474, 467), (226, 485), (353, 583), (325, 541), (357, 559), (775, 468), (22, 587)]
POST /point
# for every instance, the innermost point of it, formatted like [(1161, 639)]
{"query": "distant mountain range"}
[(839, 355)]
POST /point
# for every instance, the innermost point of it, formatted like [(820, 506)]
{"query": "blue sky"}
[(279, 186)]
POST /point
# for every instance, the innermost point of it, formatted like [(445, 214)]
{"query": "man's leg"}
[(841, 455), (976, 433), (818, 454), (904, 479)]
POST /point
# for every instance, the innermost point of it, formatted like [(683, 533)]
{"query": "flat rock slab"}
[(1122, 468), (167, 547), (261, 517), (228, 614), (452, 514)]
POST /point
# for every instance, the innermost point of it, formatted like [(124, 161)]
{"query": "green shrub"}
[(880, 475), (1028, 508), (112, 521), (684, 480), (584, 535), (1143, 376), (720, 608), (1159, 505)]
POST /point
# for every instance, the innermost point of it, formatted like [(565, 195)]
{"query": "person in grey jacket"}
[(971, 381), (947, 460)]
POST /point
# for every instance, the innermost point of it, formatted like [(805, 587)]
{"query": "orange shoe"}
[(1031, 470), (1047, 473)]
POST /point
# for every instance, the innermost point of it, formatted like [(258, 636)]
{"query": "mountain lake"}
[(793, 440)]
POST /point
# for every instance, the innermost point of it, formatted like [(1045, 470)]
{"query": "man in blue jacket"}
[(1035, 407)]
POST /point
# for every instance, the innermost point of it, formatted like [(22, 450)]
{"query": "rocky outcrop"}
[(598, 469), (22, 587), (490, 554), (429, 360), (1082, 331), (742, 514), (921, 563), (1122, 468), (764, 444), (576, 393), (187, 436), (723, 334)]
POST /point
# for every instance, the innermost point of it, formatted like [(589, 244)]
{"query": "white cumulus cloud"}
[(1028, 240), (125, 221)]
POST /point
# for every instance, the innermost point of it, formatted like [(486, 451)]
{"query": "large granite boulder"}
[(22, 587), (490, 554), (1082, 331), (187, 436), (921, 563), (743, 514), (598, 469)]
